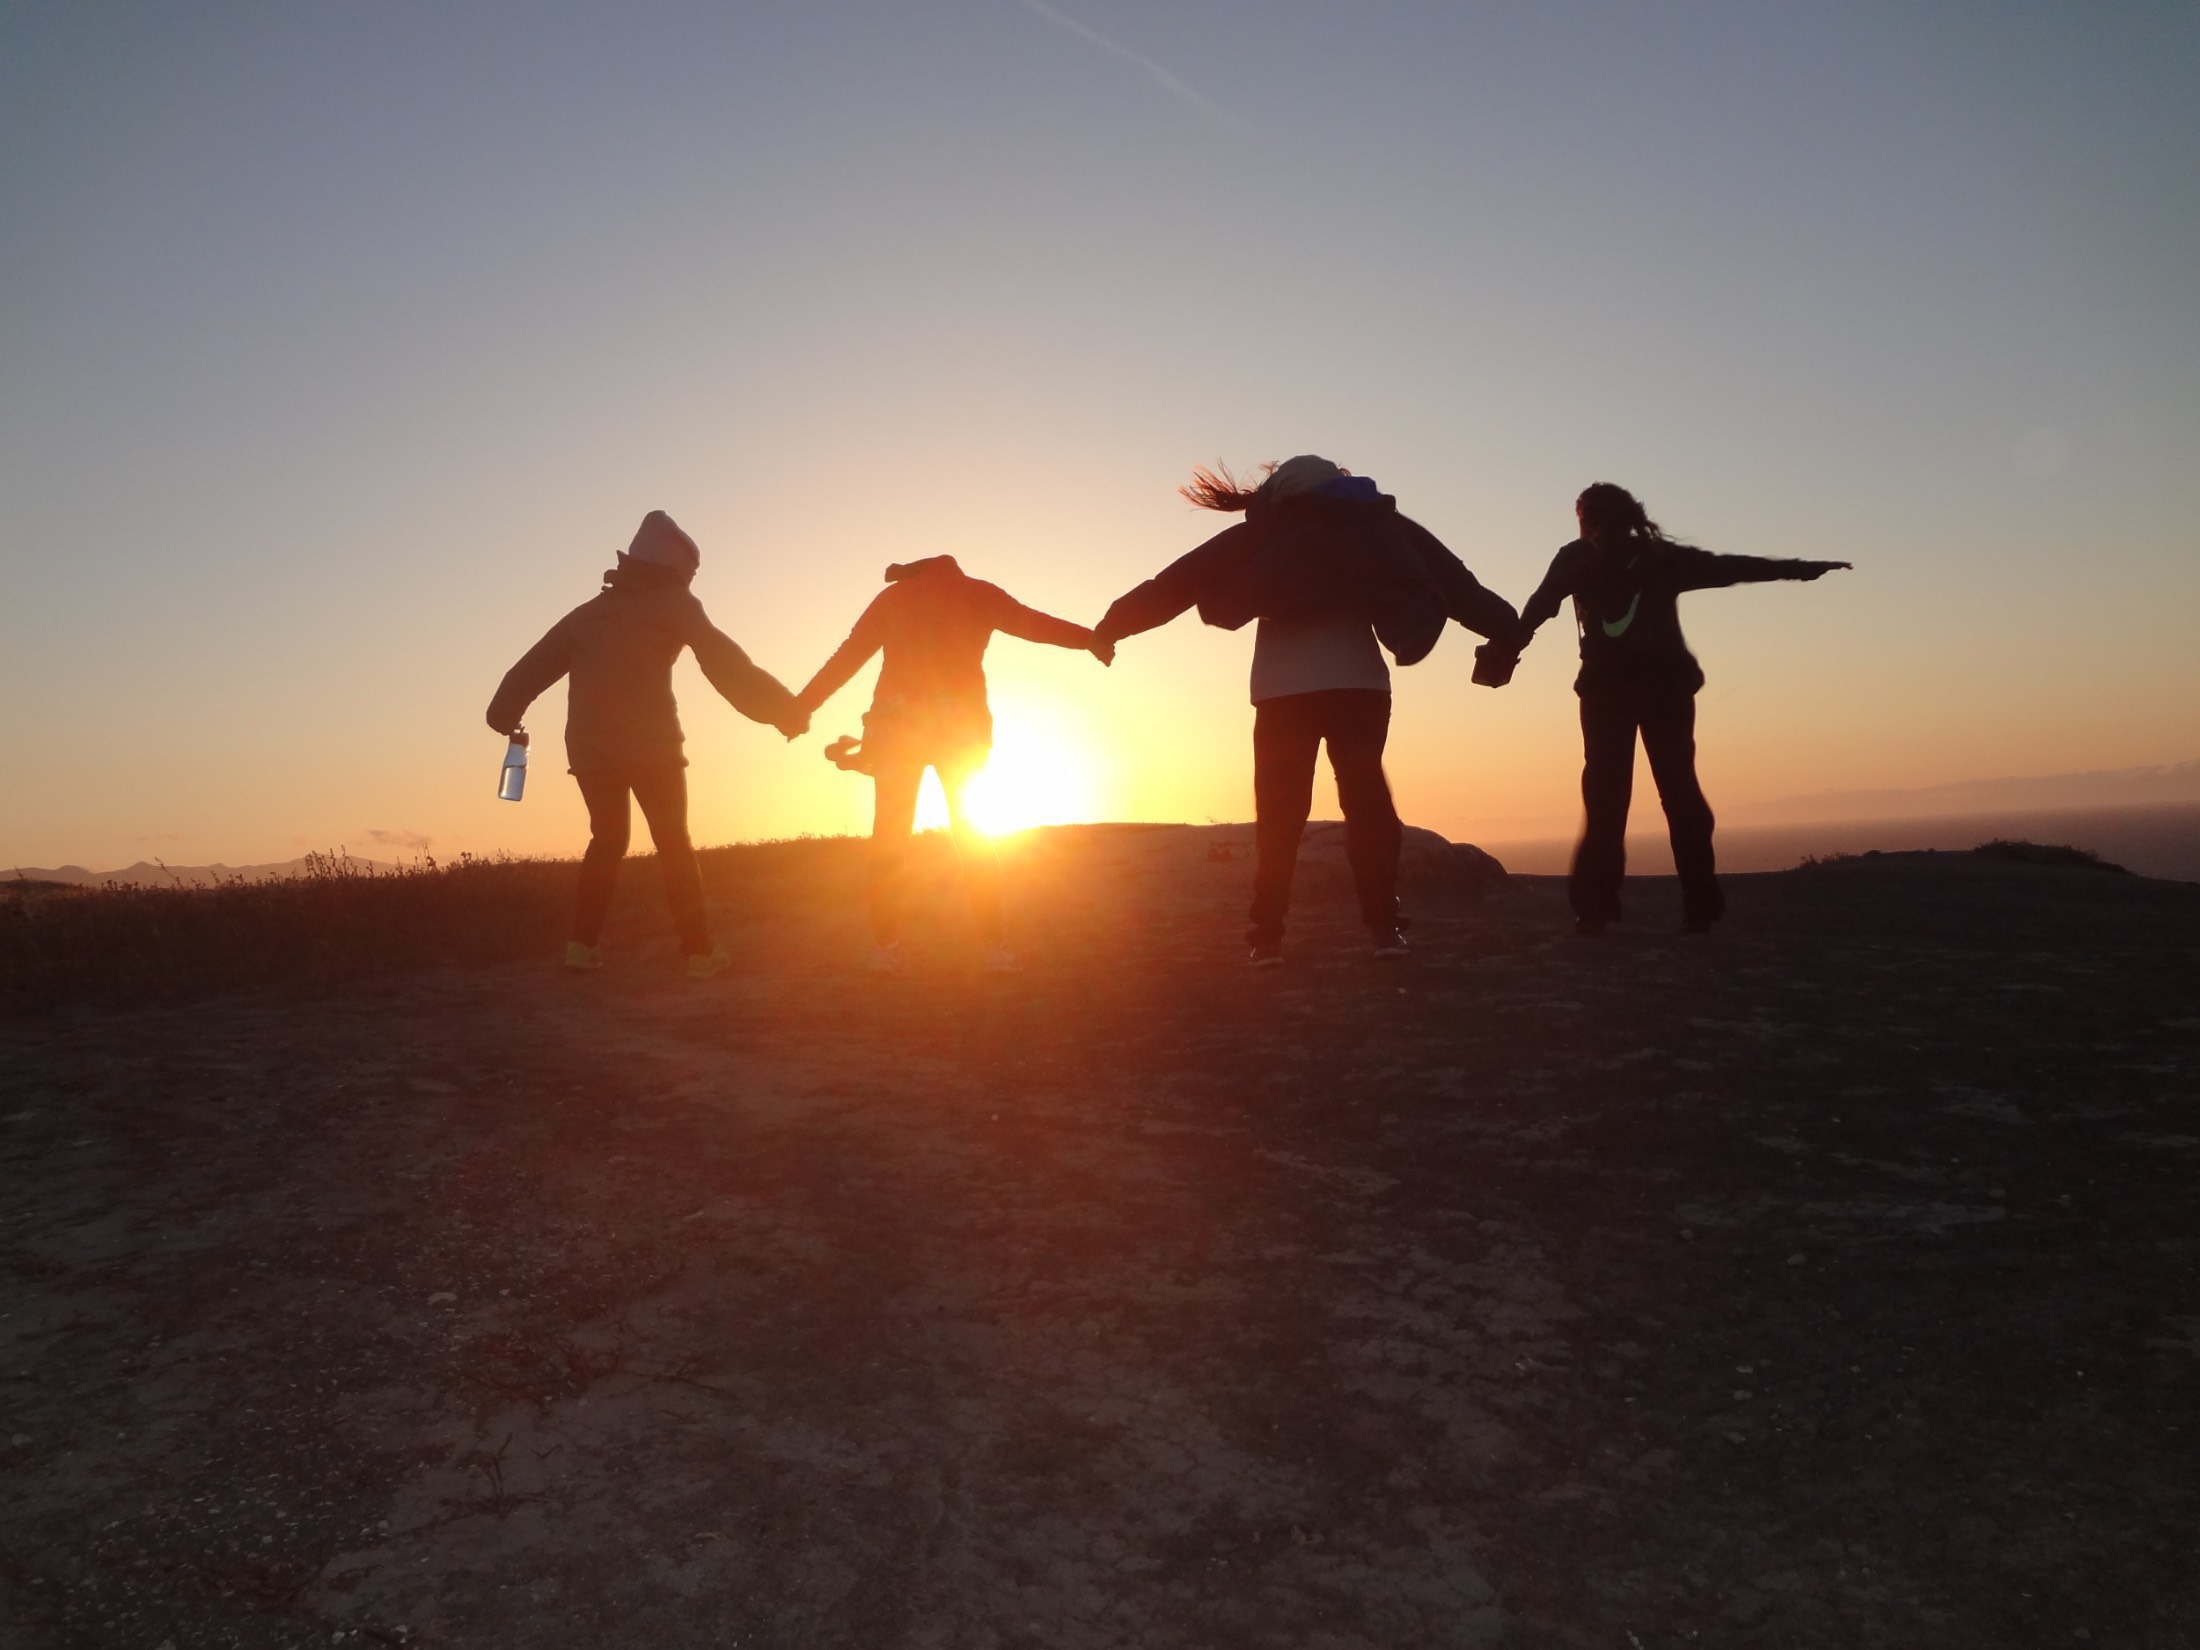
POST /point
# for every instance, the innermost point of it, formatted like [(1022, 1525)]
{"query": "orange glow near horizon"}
[(1041, 773)]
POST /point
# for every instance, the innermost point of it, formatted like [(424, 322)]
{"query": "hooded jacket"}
[(933, 621), (619, 650), (1627, 607), (1340, 550)]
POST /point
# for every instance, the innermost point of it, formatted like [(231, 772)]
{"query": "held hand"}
[(1102, 649), (1815, 569), (795, 726)]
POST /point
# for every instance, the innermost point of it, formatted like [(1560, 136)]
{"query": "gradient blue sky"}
[(340, 346)]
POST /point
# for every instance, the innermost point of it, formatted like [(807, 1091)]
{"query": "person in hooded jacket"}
[(1625, 578), (622, 727), (933, 622), (1330, 569)]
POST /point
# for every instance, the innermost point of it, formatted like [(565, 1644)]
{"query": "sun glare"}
[(1041, 774)]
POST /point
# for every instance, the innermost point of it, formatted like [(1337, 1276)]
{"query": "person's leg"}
[(1286, 740), (1607, 786), (608, 826), (974, 853), (893, 812), (1669, 740), (663, 794), (1357, 727)]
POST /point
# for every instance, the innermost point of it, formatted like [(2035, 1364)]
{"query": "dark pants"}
[(662, 792), (894, 812), (1288, 734), (1667, 722)]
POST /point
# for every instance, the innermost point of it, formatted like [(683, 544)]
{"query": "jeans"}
[(662, 792), (1666, 719), (1288, 734)]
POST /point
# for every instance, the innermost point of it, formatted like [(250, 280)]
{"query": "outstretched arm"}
[(1012, 618), (525, 682), (750, 689), (851, 656), (1701, 570), (1175, 588)]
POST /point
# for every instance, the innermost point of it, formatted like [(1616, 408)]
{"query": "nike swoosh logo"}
[(1616, 631)]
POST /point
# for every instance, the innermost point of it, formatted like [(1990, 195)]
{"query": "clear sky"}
[(341, 346)]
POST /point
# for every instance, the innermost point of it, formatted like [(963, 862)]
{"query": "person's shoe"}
[(1266, 954), (584, 957), (708, 965), (887, 959), (1390, 945), (1000, 960)]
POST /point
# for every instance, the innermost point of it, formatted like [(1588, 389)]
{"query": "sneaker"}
[(1266, 954), (708, 965), (581, 956), (1390, 945), (1000, 960), (887, 959)]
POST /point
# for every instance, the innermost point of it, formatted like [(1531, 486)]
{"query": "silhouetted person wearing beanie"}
[(622, 728), (933, 622), (1330, 569), (1637, 675)]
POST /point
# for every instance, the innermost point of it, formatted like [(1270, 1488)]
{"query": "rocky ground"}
[(1828, 1281)]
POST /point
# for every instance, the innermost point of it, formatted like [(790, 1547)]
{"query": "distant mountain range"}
[(147, 874), (2179, 782)]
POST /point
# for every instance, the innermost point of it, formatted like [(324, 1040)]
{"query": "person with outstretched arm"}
[(1625, 578), (622, 727), (1330, 569), (933, 623)]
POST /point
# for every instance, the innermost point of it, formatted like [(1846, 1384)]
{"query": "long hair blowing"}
[(1218, 489), (1608, 504)]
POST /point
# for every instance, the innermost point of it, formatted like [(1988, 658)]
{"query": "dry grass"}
[(340, 920)]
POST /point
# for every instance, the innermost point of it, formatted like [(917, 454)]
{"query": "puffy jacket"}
[(619, 649), (1342, 549)]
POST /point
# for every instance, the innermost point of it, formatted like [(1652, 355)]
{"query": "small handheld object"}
[(512, 780), (1494, 665)]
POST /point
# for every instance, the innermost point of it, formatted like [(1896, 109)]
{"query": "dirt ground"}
[(1826, 1281)]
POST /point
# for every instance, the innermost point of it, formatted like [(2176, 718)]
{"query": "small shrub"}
[(2046, 853)]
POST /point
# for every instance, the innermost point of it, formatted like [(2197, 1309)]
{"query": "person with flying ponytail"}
[(1625, 578)]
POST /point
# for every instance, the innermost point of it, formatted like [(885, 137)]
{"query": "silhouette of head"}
[(1217, 489), (1608, 511), (658, 542)]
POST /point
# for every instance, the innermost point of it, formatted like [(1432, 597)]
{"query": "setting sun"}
[(1042, 773)]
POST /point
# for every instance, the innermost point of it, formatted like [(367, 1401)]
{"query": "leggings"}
[(662, 792), (894, 813), (1288, 734), (1667, 722)]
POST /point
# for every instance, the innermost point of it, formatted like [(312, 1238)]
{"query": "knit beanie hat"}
[(659, 542)]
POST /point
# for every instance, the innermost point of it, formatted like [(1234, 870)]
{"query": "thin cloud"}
[(402, 839), (1152, 70)]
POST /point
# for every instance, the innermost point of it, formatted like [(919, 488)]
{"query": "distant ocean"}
[(2158, 841)]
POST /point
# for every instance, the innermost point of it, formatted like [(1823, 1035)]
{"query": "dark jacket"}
[(1627, 606), (619, 650), (1343, 549)]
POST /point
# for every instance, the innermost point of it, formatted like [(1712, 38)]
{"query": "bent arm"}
[(1466, 598), (1551, 594), (539, 667), (1174, 589)]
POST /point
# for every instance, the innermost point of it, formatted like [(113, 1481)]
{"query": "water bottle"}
[(512, 783)]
